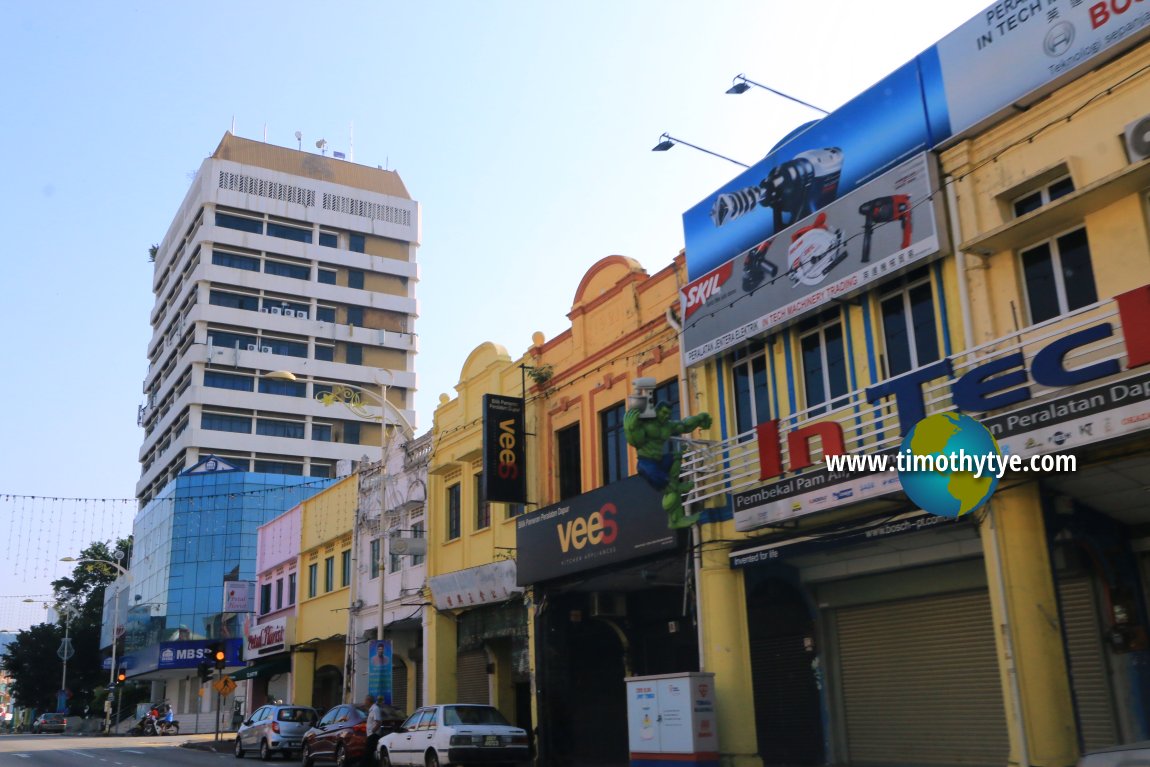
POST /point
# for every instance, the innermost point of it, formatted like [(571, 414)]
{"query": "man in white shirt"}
[(374, 724)]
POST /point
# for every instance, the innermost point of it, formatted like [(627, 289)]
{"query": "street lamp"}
[(666, 141), (744, 84), (68, 611), (127, 576)]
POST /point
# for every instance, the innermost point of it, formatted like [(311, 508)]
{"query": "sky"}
[(523, 129)]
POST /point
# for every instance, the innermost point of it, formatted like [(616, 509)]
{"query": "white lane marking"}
[(80, 753), (131, 751)]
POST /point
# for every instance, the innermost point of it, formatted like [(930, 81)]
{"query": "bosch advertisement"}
[(875, 231), (1014, 49), (621, 521)]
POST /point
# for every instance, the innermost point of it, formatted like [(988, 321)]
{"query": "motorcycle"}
[(165, 727), (146, 726)]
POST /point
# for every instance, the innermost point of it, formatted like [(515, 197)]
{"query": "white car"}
[(454, 734), (1130, 755)]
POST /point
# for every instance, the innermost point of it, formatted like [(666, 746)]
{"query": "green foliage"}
[(31, 659)]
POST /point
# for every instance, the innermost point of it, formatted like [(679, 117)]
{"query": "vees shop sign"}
[(613, 524), (504, 456)]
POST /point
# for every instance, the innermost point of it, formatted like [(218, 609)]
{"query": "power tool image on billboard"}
[(792, 189), (884, 210)]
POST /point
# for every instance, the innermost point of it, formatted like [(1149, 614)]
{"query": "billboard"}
[(1010, 53), (612, 524), (379, 671), (504, 453), (875, 231)]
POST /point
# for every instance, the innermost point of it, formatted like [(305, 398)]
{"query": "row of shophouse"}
[(1004, 271)]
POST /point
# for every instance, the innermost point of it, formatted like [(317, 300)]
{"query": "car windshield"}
[(472, 715)]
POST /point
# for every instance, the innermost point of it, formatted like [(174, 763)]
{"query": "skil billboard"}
[(1015, 50), (873, 232)]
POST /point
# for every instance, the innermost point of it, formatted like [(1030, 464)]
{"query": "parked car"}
[(1130, 755), (274, 729), (50, 723), (340, 735), (454, 734)]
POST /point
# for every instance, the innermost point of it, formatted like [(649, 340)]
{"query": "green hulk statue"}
[(658, 461)]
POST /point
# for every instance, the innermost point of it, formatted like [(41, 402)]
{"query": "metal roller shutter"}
[(1089, 677), (920, 682), (399, 684), (471, 677)]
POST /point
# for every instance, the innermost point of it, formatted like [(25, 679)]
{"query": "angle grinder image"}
[(815, 250), (883, 210), (757, 267), (792, 190)]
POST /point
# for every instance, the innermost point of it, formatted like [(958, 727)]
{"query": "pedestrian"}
[(374, 724)]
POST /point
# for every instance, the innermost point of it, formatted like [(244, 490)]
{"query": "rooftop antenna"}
[(233, 125), (351, 142), (265, 133), (299, 138), (321, 145)]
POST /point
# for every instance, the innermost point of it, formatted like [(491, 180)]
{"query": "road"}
[(97, 751)]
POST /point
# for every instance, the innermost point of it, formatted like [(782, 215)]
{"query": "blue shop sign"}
[(190, 653)]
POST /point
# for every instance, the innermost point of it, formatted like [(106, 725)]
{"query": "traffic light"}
[(205, 670), (121, 676), (219, 656)]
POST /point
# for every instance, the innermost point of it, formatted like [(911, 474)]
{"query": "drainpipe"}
[(959, 262), (995, 553)]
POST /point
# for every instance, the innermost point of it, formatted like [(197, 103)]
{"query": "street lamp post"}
[(126, 575)]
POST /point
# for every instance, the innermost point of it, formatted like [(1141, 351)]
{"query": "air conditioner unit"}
[(277, 310), (265, 310), (608, 605), (253, 347), (266, 349), (301, 314), (416, 547), (1138, 139)]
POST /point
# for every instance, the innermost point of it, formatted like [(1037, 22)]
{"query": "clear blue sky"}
[(523, 128)]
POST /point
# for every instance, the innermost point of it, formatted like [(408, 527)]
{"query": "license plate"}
[(491, 740)]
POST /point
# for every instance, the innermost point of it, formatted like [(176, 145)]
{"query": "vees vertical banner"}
[(504, 455)]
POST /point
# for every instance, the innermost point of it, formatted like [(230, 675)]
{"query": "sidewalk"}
[(207, 742)]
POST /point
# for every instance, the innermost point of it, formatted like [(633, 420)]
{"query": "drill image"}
[(757, 267), (793, 189), (883, 210)]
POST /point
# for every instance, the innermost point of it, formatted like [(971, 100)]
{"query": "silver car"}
[(274, 729)]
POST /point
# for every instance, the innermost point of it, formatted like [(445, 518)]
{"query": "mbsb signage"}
[(189, 654)]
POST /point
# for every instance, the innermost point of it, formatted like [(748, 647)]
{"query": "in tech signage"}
[(504, 453), (872, 233), (621, 521)]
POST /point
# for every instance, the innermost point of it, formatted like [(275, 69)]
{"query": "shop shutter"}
[(471, 677), (1089, 677), (920, 682), (399, 684)]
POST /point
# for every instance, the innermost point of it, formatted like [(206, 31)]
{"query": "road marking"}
[(131, 751), (80, 753)]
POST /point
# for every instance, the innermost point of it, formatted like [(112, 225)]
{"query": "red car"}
[(340, 735)]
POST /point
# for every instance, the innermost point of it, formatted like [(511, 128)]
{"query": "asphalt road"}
[(98, 751)]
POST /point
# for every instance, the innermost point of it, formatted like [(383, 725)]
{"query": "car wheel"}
[(340, 756), (239, 752), (384, 758), (265, 752), (432, 759), (305, 757)]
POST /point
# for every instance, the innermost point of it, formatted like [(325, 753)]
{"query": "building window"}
[(241, 223), (224, 422), (376, 554), (286, 232), (350, 433), (417, 531), (1059, 276), (291, 589), (353, 354), (312, 579), (570, 465), (613, 443), (326, 353), (234, 300), (749, 380), (356, 243), (824, 360), (325, 313), (328, 239), (345, 568), (235, 260), (394, 561), (269, 427), (321, 432), (514, 510), (226, 340), (218, 380), (1044, 196), (355, 278), (325, 276), (909, 330), (265, 598), (482, 507), (453, 512), (355, 316), (295, 271), (287, 348), (323, 470), (279, 593), (669, 393), (328, 574), (285, 388), (279, 467)]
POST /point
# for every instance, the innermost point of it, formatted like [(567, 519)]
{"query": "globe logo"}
[(933, 470)]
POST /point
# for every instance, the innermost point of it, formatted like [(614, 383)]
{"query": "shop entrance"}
[(784, 675)]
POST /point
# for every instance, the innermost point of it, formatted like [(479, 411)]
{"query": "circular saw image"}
[(815, 250)]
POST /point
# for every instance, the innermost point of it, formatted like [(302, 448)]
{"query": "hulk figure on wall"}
[(659, 461)]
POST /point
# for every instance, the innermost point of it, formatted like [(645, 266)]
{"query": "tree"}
[(31, 659)]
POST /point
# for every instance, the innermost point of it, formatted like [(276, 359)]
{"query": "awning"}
[(267, 668)]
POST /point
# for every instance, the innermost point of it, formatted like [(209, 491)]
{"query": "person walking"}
[(374, 724)]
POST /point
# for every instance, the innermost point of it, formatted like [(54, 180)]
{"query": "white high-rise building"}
[(279, 260)]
